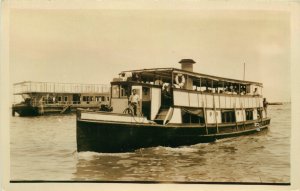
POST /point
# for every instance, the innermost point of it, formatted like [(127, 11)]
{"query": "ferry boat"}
[(175, 107), (41, 98)]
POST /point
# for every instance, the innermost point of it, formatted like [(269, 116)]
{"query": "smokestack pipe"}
[(187, 64)]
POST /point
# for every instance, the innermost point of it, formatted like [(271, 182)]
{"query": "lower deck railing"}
[(57, 103)]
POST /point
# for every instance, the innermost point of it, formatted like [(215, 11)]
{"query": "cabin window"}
[(98, 98), (228, 116), (59, 98), (195, 119), (125, 91), (259, 113), (115, 91), (65, 98), (87, 98), (107, 98), (249, 114), (190, 116), (185, 117)]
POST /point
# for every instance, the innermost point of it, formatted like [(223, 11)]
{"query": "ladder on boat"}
[(163, 115), (66, 107)]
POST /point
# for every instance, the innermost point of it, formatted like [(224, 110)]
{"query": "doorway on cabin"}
[(146, 102), (166, 96)]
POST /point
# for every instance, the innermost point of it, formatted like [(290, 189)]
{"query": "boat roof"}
[(54, 87), (164, 72)]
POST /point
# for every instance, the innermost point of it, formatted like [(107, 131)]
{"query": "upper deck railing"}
[(52, 87)]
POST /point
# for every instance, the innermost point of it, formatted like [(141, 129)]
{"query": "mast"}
[(244, 71)]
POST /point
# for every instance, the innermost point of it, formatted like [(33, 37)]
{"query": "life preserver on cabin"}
[(180, 80)]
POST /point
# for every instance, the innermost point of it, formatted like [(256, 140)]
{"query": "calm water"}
[(44, 148)]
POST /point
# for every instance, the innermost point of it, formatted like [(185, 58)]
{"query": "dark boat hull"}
[(102, 136), (28, 110), (25, 110)]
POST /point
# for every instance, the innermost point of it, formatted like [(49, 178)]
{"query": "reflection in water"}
[(42, 148)]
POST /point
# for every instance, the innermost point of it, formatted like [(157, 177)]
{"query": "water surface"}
[(44, 148)]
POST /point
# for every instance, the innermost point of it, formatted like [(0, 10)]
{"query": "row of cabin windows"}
[(184, 81), (59, 98), (122, 91), (227, 117), (236, 90), (96, 98), (84, 98), (215, 86)]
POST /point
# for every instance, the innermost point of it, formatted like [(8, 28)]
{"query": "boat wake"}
[(177, 149), (88, 155)]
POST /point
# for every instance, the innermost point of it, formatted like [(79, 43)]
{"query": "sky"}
[(93, 46)]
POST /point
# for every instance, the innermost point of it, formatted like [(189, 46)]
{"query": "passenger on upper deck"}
[(126, 76), (255, 93), (158, 82), (207, 90), (136, 77), (226, 90)]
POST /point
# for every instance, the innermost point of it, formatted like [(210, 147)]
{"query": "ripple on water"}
[(44, 148)]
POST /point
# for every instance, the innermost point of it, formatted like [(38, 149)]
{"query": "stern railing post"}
[(217, 125), (236, 123), (205, 117)]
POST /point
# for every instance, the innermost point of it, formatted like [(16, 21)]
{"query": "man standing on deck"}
[(134, 101), (265, 105)]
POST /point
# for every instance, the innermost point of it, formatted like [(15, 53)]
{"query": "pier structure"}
[(51, 97)]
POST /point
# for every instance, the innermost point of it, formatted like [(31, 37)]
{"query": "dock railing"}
[(63, 103), (52, 87)]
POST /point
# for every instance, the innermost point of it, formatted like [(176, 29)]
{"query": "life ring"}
[(179, 82)]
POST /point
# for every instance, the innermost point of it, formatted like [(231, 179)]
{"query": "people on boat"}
[(255, 93), (265, 104), (53, 99), (123, 76), (126, 76), (166, 95), (158, 82), (136, 77), (134, 101)]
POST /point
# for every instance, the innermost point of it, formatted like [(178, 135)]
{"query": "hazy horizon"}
[(93, 46)]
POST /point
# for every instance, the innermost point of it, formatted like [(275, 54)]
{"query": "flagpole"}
[(244, 71)]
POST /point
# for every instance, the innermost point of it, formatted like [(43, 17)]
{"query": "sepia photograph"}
[(123, 93)]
